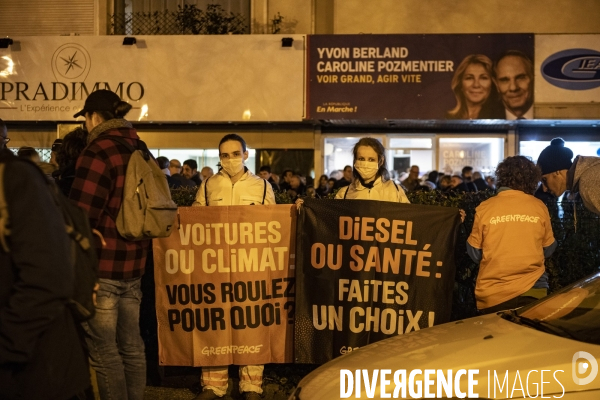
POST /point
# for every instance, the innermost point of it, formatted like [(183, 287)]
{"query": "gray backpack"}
[(147, 210)]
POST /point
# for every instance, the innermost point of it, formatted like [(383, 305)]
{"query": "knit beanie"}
[(555, 157)]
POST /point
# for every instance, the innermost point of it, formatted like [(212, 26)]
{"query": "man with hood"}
[(560, 174)]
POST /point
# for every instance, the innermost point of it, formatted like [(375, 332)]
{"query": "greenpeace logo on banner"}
[(71, 64), (573, 69), (241, 349)]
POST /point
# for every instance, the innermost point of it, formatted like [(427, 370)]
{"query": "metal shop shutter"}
[(46, 18)]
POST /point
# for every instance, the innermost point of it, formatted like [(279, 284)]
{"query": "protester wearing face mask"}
[(233, 185), (372, 181)]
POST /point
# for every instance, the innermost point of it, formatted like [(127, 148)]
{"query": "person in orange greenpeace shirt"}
[(511, 236)]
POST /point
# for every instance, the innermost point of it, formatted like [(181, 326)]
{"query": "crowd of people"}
[(39, 357), (65, 152), (297, 185)]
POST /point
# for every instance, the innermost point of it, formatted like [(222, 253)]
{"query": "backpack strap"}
[(397, 190), (141, 145), (4, 217), (347, 188), (120, 140), (206, 190), (264, 192)]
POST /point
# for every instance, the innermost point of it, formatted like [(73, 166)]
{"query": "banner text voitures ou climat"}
[(225, 286)]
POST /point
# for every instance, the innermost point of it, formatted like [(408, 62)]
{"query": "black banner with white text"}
[(369, 270)]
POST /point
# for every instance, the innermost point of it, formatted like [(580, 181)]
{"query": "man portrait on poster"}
[(514, 81)]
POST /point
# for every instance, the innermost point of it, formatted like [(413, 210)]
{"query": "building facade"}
[(252, 85)]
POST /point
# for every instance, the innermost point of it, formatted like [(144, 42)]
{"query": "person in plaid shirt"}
[(115, 345)]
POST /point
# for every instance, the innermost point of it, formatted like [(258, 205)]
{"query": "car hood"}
[(487, 343)]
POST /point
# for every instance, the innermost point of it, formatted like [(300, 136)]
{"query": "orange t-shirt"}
[(512, 230)]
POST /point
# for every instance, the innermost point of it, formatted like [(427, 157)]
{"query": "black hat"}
[(555, 157), (100, 100)]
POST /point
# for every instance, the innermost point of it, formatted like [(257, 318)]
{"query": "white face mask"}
[(366, 169), (232, 166)]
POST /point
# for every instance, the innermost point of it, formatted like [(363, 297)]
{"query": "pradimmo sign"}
[(199, 78), (573, 69)]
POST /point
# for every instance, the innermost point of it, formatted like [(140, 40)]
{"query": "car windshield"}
[(573, 312)]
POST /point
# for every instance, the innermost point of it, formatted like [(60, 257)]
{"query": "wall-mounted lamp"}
[(129, 40), (5, 42), (287, 42)]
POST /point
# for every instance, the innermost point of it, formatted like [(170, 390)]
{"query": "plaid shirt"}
[(98, 189)]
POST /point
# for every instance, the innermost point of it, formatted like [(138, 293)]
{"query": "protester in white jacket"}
[(221, 190), (371, 177), (233, 185)]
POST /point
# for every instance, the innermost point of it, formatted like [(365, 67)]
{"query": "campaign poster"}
[(225, 286), (437, 76), (370, 270)]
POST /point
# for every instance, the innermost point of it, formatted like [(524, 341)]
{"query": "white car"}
[(548, 349)]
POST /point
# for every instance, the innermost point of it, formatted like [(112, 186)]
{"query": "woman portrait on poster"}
[(474, 89)]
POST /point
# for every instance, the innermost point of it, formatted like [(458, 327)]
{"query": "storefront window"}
[(411, 143), (406, 152), (453, 153), (45, 154), (402, 152), (301, 161), (533, 149), (483, 154)]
